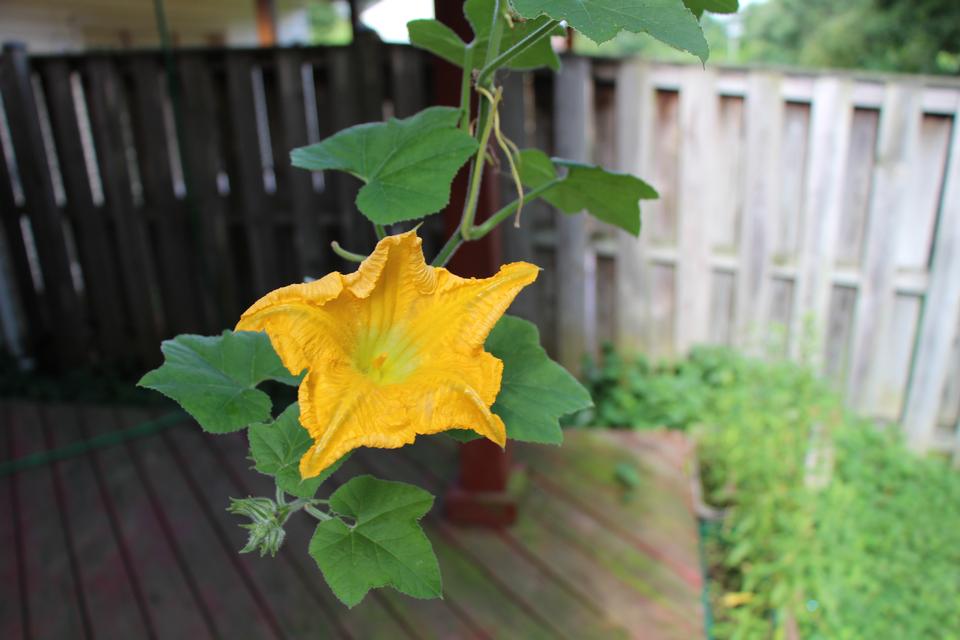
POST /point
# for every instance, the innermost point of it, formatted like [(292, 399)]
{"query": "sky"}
[(389, 17)]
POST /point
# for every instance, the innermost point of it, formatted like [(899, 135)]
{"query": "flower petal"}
[(394, 350), (299, 327)]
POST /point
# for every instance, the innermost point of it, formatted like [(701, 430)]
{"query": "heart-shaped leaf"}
[(276, 448), (535, 391), (606, 195), (214, 378), (713, 6), (669, 21), (385, 546), (439, 39), (407, 164)]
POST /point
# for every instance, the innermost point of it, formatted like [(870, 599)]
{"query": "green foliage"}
[(276, 448), (885, 560), (633, 393), (887, 35), (384, 545), (600, 20), (327, 25), (265, 529), (539, 54), (440, 40), (214, 378), (608, 196), (637, 44), (535, 391), (627, 475), (407, 164), (714, 6), (831, 525)]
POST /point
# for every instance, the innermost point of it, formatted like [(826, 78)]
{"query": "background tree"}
[(913, 36), (920, 36)]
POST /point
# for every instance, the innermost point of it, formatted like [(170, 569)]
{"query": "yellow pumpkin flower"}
[(393, 350)]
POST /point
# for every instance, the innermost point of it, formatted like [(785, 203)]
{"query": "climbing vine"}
[(402, 347)]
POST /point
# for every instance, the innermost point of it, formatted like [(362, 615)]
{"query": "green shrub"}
[(832, 528)]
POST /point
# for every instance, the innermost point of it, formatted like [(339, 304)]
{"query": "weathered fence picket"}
[(157, 194), (56, 288), (938, 324), (810, 201), (576, 297)]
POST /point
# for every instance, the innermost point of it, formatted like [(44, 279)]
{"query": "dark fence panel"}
[(146, 195)]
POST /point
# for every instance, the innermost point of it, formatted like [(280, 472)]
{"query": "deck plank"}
[(222, 585), (639, 591), (12, 614), (293, 606), (167, 589), (109, 592), (133, 538), (654, 517), (50, 581), (508, 573)]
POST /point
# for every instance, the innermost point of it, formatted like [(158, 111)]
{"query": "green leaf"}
[(626, 474), (214, 378), (277, 447), (713, 6), (608, 196), (536, 168), (407, 164), (600, 20), (440, 40), (535, 391), (480, 15), (384, 547)]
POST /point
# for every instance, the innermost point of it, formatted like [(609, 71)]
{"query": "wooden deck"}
[(132, 541)]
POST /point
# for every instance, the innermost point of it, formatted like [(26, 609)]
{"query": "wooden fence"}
[(145, 195), (817, 215)]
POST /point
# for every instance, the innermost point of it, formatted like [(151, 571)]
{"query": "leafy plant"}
[(832, 529), (400, 348)]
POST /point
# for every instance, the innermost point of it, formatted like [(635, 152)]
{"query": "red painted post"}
[(480, 496)]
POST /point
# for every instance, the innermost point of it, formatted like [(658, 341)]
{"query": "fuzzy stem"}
[(491, 223), (465, 87), (453, 243), (491, 66), (346, 255)]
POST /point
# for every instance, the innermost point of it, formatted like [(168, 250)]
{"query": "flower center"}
[(385, 358)]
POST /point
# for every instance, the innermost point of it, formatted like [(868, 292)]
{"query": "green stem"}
[(346, 255), (491, 223), (380, 231), (453, 243), (496, 34), (490, 66), (476, 172), (484, 128), (316, 513), (465, 87)]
